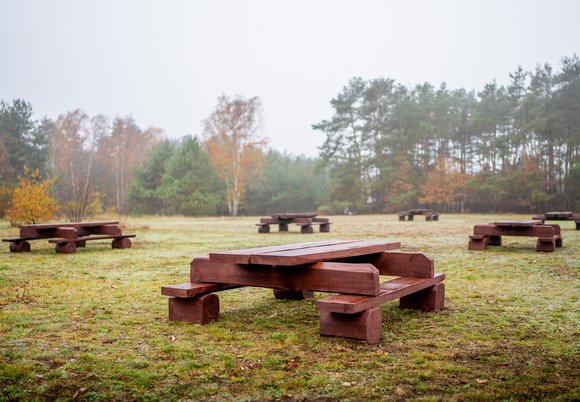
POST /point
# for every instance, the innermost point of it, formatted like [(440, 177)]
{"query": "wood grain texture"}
[(199, 310), (362, 279), (389, 290), (366, 325), (188, 289)]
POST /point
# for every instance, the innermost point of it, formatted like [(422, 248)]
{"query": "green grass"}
[(93, 325)]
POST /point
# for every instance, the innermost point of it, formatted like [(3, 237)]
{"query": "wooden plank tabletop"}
[(304, 253), (518, 223), (553, 214), (291, 215), (67, 224)]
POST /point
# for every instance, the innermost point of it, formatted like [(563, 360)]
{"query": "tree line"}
[(505, 148), (388, 147)]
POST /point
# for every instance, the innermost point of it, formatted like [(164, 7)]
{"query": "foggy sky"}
[(166, 62)]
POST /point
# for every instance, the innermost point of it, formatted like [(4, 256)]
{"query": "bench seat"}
[(69, 246), (389, 290)]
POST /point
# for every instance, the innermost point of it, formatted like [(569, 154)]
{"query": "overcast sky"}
[(166, 62)]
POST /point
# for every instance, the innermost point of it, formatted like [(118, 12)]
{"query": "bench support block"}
[(477, 242), (366, 325), (199, 310), (430, 299), (546, 244), (66, 248), (306, 229), (122, 242), (19, 247), (282, 227), (264, 229)]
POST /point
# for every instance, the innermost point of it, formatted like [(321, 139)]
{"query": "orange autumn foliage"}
[(31, 200)]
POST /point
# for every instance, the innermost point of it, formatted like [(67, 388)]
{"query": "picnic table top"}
[(530, 222), (291, 215), (563, 214), (67, 224), (418, 210), (304, 253)]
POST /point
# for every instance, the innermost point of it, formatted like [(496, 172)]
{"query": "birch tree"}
[(234, 146)]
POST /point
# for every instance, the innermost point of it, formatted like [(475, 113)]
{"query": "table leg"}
[(494, 240), (283, 227), (123, 242), (366, 325), (292, 294), (199, 310), (477, 242), (306, 229), (66, 248), (19, 246), (430, 299), (81, 243), (546, 244)]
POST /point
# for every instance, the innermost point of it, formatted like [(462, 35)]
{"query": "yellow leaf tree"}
[(31, 200), (234, 146)]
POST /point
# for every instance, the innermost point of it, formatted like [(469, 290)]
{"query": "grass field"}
[(93, 325)]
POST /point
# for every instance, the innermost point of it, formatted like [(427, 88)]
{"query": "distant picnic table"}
[(68, 236), (303, 219), (559, 216), (410, 214), (350, 268), (549, 236)]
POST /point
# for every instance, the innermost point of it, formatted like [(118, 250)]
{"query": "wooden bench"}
[(305, 220), (69, 246), (70, 235), (295, 271), (559, 216), (549, 236), (410, 214)]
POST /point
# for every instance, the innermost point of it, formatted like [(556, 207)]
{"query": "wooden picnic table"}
[(410, 214), (559, 216), (303, 219), (549, 236), (350, 268), (67, 236)]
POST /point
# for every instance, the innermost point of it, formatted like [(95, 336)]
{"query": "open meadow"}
[(93, 325)]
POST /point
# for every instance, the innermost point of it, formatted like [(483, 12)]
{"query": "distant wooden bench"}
[(303, 219), (410, 214), (295, 271), (69, 235), (559, 216), (549, 236)]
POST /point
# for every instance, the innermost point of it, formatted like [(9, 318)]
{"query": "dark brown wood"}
[(430, 299), (19, 246), (477, 242), (199, 310), (532, 230), (243, 256), (305, 220), (121, 242), (68, 224), (282, 294), (366, 325), (188, 290), (304, 253), (410, 214), (68, 247), (92, 237), (393, 263), (389, 290), (518, 223), (292, 215), (322, 277)]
